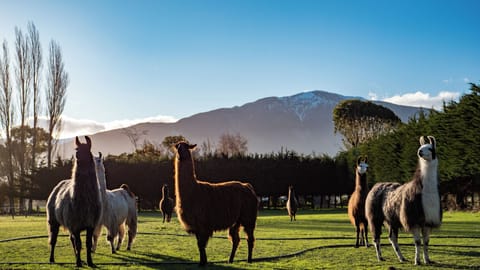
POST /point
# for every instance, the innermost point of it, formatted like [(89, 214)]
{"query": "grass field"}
[(319, 239)]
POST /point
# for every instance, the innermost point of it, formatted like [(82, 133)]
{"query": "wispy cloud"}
[(75, 127), (425, 100)]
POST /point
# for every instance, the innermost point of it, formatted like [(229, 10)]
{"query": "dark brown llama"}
[(356, 204), (203, 207), (166, 204), (76, 204), (292, 203), (415, 205)]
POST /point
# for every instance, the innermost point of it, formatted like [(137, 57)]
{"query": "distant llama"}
[(415, 205), (119, 208), (203, 207), (292, 203), (166, 204), (76, 204), (356, 204)]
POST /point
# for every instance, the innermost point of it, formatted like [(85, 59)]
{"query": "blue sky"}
[(134, 60)]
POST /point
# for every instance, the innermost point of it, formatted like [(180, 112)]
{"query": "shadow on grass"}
[(156, 261)]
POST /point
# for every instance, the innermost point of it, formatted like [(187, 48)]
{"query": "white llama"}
[(119, 208)]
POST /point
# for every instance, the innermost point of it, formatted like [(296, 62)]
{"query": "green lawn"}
[(319, 239)]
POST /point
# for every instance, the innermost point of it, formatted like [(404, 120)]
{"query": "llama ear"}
[(422, 140), (192, 146), (432, 141), (359, 159), (77, 141), (365, 159), (100, 155), (89, 142)]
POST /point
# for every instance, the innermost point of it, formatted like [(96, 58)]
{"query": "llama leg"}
[(54, 228), (77, 246), (96, 234), (163, 218), (111, 239), (89, 247), (426, 239), (132, 230), (362, 233), (235, 238), (250, 241), (418, 243), (365, 232), (393, 236), (376, 243), (202, 239), (121, 235), (357, 227)]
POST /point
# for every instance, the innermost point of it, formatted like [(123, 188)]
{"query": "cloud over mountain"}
[(76, 127), (419, 99)]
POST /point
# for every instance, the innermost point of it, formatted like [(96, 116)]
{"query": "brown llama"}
[(356, 204), (166, 204), (76, 204), (292, 204), (203, 207)]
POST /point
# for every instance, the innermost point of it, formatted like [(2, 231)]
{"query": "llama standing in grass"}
[(119, 208), (76, 204), (203, 207), (415, 205), (166, 204), (292, 203), (356, 204)]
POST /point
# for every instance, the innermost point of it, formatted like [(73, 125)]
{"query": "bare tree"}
[(23, 78), (232, 145), (134, 135), (57, 83), (207, 148), (7, 113), (36, 64)]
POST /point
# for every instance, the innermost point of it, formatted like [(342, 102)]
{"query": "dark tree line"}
[(270, 174)]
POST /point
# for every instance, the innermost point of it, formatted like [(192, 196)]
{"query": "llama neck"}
[(185, 178), (165, 193), (102, 182), (430, 195), (428, 173), (361, 181)]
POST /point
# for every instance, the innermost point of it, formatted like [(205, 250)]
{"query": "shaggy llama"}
[(292, 203), (76, 204), (415, 205), (119, 208), (203, 207), (166, 204), (356, 204)]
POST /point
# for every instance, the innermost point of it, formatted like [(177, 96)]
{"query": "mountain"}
[(302, 122)]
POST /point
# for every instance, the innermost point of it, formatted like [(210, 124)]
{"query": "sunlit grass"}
[(321, 239)]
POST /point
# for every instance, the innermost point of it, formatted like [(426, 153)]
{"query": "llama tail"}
[(125, 187)]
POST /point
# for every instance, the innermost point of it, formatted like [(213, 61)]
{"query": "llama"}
[(415, 205), (356, 204), (119, 208), (76, 204), (166, 204), (292, 204), (203, 207)]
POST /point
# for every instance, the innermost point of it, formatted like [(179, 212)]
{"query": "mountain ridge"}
[(301, 122)]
